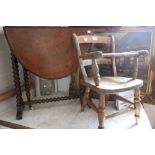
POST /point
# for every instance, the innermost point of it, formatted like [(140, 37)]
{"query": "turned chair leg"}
[(137, 105), (101, 114), (85, 99)]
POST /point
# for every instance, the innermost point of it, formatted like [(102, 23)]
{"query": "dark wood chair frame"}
[(98, 57)]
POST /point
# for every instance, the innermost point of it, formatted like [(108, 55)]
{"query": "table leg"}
[(20, 104), (27, 86)]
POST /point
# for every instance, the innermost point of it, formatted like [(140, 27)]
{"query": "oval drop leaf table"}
[(47, 52)]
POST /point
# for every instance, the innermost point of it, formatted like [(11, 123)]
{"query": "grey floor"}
[(67, 115)]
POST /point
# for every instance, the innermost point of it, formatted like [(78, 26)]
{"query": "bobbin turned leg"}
[(27, 86), (20, 104), (101, 115), (85, 99), (137, 105)]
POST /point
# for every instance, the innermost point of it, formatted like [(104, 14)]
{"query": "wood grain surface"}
[(48, 52)]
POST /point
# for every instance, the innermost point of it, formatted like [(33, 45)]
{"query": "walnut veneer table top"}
[(48, 52)]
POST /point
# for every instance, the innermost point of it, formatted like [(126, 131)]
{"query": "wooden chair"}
[(108, 84)]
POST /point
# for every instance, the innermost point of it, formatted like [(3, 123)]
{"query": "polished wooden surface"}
[(48, 52)]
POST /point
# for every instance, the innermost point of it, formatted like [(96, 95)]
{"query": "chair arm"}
[(99, 54), (143, 52), (126, 54)]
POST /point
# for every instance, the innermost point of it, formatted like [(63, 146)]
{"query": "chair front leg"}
[(85, 99), (101, 114), (137, 101)]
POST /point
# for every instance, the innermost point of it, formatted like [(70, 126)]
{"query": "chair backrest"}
[(95, 39)]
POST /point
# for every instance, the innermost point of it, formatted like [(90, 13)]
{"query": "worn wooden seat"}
[(106, 85), (113, 85)]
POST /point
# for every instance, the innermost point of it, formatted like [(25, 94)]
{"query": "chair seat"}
[(113, 85)]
